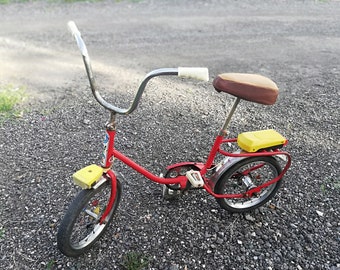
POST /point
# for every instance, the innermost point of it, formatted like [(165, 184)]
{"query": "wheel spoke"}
[(92, 214)]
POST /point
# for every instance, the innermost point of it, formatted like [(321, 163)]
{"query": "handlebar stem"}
[(111, 124)]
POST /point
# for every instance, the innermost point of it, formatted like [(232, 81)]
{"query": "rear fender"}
[(225, 164)]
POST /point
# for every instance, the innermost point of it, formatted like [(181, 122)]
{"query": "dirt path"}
[(37, 51)]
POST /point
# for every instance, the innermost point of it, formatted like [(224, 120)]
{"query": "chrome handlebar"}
[(188, 72)]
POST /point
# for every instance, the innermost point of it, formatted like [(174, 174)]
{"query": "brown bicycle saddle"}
[(251, 87)]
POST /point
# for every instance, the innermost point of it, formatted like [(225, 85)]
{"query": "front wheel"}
[(244, 175), (81, 226)]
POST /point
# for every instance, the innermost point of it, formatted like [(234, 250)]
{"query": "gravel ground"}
[(296, 43)]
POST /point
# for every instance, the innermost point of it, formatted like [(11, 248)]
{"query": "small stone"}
[(219, 241), (86, 121), (319, 213), (173, 267), (309, 238), (292, 225), (249, 218)]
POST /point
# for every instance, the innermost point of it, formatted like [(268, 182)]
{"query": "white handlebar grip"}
[(198, 73), (75, 32), (73, 28)]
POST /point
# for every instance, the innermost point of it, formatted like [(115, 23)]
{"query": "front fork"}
[(94, 176), (113, 195)]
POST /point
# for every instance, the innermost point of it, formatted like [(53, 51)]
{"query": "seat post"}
[(223, 131)]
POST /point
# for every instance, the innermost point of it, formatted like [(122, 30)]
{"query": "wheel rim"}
[(87, 226), (90, 237), (256, 173)]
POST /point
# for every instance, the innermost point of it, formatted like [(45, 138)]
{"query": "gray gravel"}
[(296, 43)]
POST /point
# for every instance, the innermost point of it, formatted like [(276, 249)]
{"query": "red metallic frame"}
[(182, 180), (110, 153)]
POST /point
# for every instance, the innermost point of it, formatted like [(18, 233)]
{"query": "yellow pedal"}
[(254, 141), (86, 177)]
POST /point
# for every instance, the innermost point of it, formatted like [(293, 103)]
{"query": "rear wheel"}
[(81, 226), (244, 175)]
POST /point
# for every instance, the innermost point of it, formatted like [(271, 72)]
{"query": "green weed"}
[(330, 184), (50, 264), (10, 96), (135, 261), (2, 233)]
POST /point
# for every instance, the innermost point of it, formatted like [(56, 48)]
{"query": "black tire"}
[(80, 227), (231, 183)]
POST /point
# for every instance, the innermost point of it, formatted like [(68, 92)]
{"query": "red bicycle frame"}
[(111, 153)]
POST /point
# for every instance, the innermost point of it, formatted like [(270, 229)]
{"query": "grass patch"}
[(135, 261), (330, 185), (50, 264), (10, 97)]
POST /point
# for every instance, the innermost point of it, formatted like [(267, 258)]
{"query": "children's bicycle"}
[(240, 181)]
